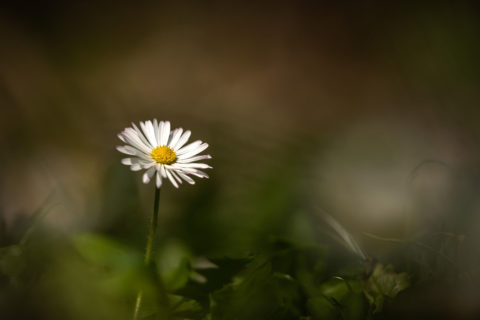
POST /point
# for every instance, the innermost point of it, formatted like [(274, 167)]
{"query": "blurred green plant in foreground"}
[(271, 264), (252, 253), (97, 277)]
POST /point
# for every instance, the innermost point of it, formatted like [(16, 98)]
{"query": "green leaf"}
[(105, 252), (216, 278), (12, 261), (384, 283), (322, 308), (182, 307), (258, 293), (345, 295), (120, 269), (335, 289), (173, 262), (354, 306)]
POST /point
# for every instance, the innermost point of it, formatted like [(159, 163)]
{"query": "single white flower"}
[(163, 153)]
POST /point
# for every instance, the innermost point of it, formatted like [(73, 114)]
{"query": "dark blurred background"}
[(366, 110)]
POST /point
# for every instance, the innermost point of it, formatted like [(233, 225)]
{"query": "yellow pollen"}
[(164, 155)]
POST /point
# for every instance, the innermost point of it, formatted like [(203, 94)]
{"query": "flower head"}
[(162, 153)]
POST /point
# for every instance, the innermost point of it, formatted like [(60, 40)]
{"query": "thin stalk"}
[(153, 227), (149, 247)]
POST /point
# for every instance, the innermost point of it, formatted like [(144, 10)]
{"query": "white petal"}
[(121, 137), (127, 161), (200, 174), (169, 175), (193, 152), (136, 167), (140, 161), (165, 133), (148, 175), (185, 177), (158, 180), (161, 124), (155, 130), (132, 137), (172, 132), (183, 139), (188, 160), (189, 147), (175, 136), (141, 136), (128, 150), (174, 174), (193, 171), (163, 171), (147, 164), (191, 165), (196, 172), (134, 152), (149, 132)]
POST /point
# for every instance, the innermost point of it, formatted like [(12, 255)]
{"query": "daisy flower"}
[(162, 153)]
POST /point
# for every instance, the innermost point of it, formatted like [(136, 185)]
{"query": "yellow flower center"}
[(164, 155)]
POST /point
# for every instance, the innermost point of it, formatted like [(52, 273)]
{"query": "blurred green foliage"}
[(261, 268), (95, 276), (384, 283), (263, 262)]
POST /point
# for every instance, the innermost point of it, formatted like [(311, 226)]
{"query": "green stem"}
[(153, 228), (149, 248)]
